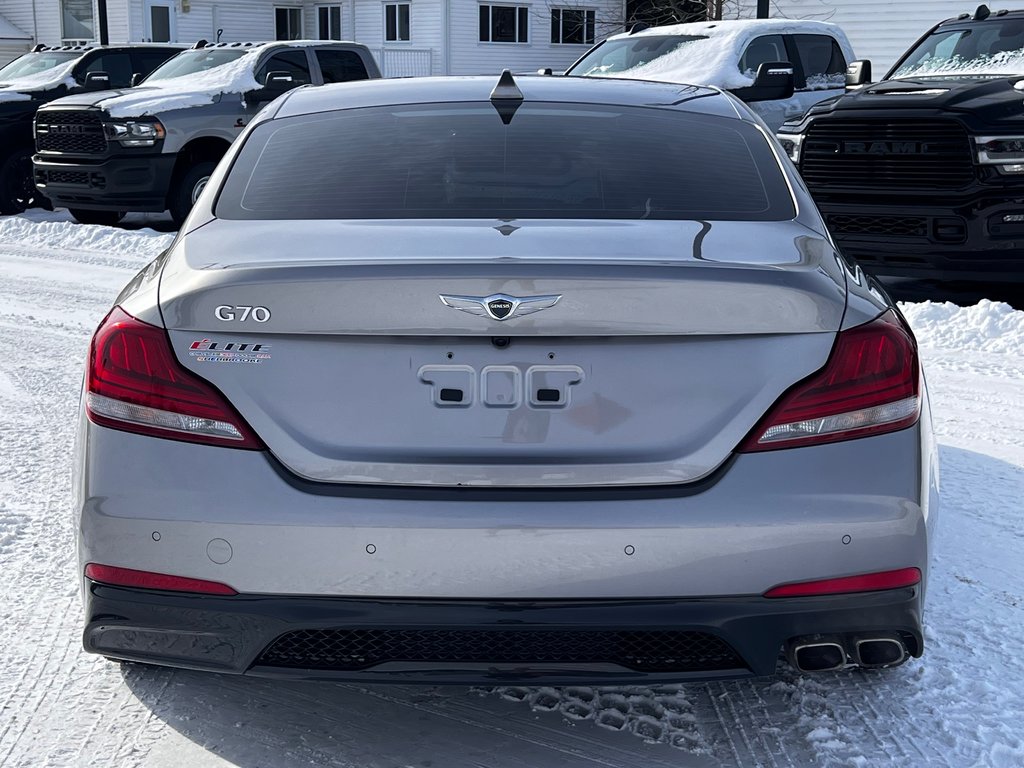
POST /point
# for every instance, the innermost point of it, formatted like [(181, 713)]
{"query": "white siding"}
[(11, 49), (469, 56), (880, 30), (18, 13), (241, 20), (423, 54)]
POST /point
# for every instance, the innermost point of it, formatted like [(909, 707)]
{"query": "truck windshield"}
[(191, 62), (626, 55), (33, 63), (989, 48), (560, 161)]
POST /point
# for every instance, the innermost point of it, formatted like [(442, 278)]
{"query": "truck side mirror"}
[(276, 84), (774, 81), (97, 81), (279, 81), (858, 73), (137, 78)]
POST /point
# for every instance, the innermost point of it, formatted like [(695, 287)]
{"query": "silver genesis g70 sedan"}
[(461, 380)]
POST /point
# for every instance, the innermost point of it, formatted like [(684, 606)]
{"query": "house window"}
[(504, 24), (328, 22), (572, 26), (76, 21), (396, 22), (288, 23)]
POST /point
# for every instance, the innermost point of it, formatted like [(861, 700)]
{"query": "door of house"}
[(161, 23)]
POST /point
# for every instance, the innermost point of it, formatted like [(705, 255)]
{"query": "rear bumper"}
[(770, 518), (738, 636), (123, 183), (962, 239)]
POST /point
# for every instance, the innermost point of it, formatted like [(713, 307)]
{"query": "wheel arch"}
[(197, 150)]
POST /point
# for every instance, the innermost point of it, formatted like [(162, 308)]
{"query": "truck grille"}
[(71, 131), (62, 177), (649, 651), (888, 226), (900, 154)]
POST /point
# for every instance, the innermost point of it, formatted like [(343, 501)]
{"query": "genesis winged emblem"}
[(499, 306)]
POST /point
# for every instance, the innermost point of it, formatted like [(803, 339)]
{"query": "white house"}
[(408, 37), (13, 41), (879, 30)]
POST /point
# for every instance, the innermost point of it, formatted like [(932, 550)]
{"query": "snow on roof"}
[(19, 90), (193, 90), (10, 32), (197, 89), (714, 60), (1002, 63)]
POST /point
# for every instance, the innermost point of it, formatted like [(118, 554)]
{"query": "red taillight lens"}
[(868, 582), (870, 385), (127, 577), (134, 383)]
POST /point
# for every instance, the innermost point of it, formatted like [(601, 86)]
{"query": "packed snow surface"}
[(958, 706)]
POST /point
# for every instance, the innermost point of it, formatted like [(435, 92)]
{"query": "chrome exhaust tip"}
[(817, 654), (880, 652)]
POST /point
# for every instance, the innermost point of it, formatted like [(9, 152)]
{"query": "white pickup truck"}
[(727, 54)]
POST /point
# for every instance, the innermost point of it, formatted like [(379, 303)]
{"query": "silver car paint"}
[(771, 518), (359, 310), (763, 519)]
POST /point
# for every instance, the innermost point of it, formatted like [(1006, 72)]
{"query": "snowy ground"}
[(960, 705)]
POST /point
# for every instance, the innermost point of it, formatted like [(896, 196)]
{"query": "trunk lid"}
[(668, 343)]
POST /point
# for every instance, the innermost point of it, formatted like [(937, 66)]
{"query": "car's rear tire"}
[(105, 218), (17, 187), (188, 189)]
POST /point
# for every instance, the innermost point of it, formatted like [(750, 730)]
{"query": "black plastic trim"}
[(227, 634)]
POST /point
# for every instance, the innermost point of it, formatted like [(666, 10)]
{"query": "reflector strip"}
[(154, 417), (127, 577), (843, 422), (868, 582)]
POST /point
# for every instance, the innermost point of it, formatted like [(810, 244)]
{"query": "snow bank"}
[(65, 235), (988, 326), (714, 60)]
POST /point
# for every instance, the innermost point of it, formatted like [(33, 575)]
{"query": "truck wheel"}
[(106, 218), (189, 187), (17, 187)]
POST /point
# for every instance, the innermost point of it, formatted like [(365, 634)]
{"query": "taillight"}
[(867, 582), (870, 385), (128, 577), (134, 383)]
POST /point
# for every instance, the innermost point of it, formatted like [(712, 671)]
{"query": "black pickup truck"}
[(45, 74), (922, 174)]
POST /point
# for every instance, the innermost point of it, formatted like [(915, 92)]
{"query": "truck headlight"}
[(1004, 152), (791, 142), (133, 133)]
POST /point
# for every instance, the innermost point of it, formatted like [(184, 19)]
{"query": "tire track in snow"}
[(41, 297)]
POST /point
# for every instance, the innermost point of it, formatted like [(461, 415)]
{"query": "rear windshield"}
[(463, 161)]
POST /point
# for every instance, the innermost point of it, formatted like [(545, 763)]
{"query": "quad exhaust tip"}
[(818, 655), (828, 653), (880, 652)]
